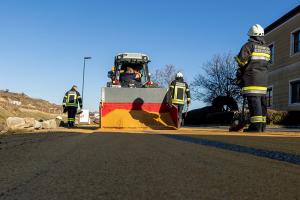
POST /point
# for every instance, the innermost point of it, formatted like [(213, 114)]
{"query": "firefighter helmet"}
[(74, 87), (179, 75), (256, 30)]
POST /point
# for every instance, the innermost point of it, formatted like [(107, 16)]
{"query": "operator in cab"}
[(131, 77)]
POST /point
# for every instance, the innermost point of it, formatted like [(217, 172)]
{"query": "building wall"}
[(281, 36), (286, 67), (280, 80)]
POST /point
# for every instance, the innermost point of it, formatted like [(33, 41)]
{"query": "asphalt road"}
[(149, 165)]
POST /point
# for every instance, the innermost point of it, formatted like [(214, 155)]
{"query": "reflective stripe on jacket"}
[(178, 91), (261, 52), (254, 90), (253, 60), (72, 98), (258, 119)]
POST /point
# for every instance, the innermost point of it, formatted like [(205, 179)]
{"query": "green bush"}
[(276, 117)]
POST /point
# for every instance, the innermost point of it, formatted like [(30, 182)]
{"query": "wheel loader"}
[(131, 100)]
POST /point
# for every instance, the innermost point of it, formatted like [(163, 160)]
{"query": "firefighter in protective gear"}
[(70, 104), (178, 90), (253, 61)]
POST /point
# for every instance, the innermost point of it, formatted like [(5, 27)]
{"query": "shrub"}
[(276, 117)]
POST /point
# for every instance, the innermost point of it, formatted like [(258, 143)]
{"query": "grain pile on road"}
[(136, 119)]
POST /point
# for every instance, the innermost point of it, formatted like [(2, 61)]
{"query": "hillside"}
[(21, 105)]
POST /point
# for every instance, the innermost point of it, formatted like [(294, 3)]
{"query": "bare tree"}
[(164, 76), (217, 79)]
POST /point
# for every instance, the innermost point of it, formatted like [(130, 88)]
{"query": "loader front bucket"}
[(137, 108)]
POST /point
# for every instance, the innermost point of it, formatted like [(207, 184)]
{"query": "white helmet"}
[(256, 30), (179, 75)]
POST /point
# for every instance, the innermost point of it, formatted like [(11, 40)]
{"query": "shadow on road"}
[(87, 127)]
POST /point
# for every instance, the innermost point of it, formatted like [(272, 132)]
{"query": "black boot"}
[(263, 127), (254, 127), (69, 125)]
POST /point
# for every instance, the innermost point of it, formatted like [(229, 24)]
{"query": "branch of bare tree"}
[(218, 79), (164, 76)]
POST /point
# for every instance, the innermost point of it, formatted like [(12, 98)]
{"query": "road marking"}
[(274, 155)]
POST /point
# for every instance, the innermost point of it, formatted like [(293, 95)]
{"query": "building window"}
[(295, 91), (270, 96), (271, 46), (296, 42)]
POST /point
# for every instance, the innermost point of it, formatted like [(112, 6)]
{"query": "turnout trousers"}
[(258, 111), (71, 115), (180, 109)]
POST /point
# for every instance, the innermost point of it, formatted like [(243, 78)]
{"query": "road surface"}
[(187, 164)]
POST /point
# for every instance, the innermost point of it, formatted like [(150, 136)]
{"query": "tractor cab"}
[(130, 70), (131, 99)]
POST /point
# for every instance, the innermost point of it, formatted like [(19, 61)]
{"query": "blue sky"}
[(42, 43)]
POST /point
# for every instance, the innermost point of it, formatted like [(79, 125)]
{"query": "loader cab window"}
[(132, 71), (144, 75)]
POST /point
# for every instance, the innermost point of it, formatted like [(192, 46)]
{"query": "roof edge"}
[(283, 19)]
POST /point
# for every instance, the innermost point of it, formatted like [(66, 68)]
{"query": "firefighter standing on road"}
[(70, 104), (178, 90), (253, 62)]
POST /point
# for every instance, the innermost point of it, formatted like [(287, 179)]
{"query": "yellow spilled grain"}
[(133, 119)]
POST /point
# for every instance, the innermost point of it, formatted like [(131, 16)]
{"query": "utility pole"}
[(83, 74)]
